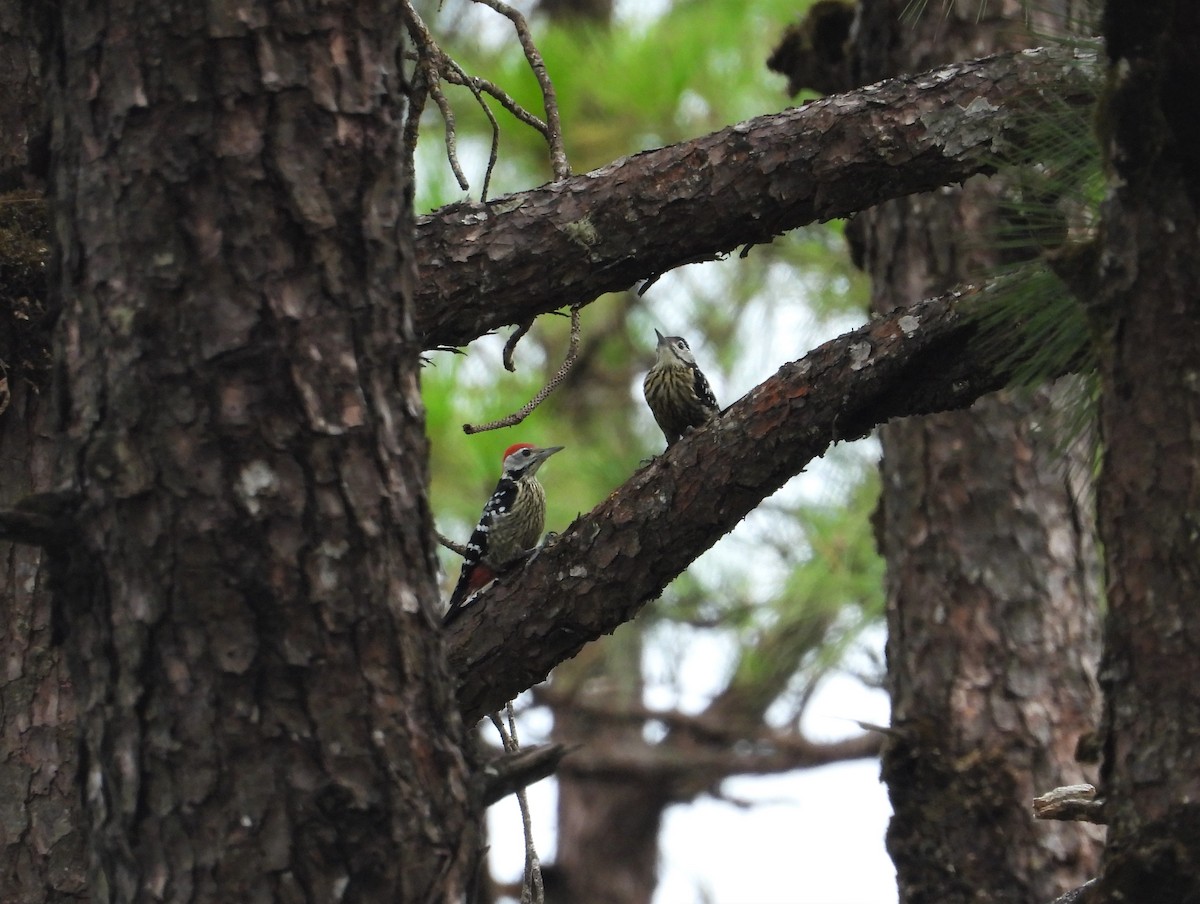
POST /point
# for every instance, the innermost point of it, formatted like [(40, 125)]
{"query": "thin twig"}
[(494, 153), (558, 153), (532, 891), (431, 64), (434, 66), (561, 374), (511, 345), (455, 76), (418, 93), (450, 544)]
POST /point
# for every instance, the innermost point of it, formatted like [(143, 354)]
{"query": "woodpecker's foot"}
[(531, 555)]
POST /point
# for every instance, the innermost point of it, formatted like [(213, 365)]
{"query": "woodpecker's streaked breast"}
[(676, 390)]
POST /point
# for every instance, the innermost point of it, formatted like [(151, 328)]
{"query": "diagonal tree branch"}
[(935, 356), (483, 266)]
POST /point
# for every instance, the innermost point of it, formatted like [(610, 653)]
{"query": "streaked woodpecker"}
[(676, 391)]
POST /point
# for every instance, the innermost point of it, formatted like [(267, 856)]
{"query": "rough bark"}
[(264, 709), (21, 114), (42, 854), (611, 562), (1149, 315), (992, 629)]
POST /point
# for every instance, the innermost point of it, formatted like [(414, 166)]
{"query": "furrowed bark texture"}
[(611, 562), (265, 713), (21, 113), (42, 854), (1150, 483), (992, 630), (486, 265)]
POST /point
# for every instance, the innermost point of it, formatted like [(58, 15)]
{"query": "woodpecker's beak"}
[(539, 459), (660, 336)]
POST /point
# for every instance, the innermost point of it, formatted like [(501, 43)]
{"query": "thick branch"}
[(670, 764), (611, 562), (509, 772), (701, 750), (483, 266)]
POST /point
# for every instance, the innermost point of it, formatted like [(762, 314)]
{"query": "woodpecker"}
[(510, 526), (676, 391)]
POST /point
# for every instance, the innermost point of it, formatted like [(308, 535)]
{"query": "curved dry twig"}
[(558, 153), (458, 548), (510, 346), (434, 66), (561, 374)]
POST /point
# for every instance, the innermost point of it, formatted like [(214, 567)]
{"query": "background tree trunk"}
[(992, 626), (608, 825), (1147, 311), (265, 712)]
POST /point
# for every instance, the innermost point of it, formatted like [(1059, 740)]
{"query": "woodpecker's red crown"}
[(515, 447)]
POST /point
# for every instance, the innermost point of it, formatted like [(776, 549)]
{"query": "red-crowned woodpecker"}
[(510, 526), (676, 391)]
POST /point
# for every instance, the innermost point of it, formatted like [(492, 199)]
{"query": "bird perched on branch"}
[(510, 526), (676, 391)]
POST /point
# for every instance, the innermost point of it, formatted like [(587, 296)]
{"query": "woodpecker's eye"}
[(681, 344), (526, 452)]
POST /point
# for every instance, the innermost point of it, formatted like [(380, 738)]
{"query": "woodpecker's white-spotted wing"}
[(475, 571), (703, 391)]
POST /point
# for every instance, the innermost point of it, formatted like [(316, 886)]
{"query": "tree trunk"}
[(991, 598), (1148, 313), (42, 854), (265, 713), (607, 850)]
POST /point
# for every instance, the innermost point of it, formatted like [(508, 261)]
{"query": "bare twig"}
[(560, 375), (511, 345), (1081, 895), (431, 64), (450, 544), (558, 154), (532, 891), (434, 66)]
